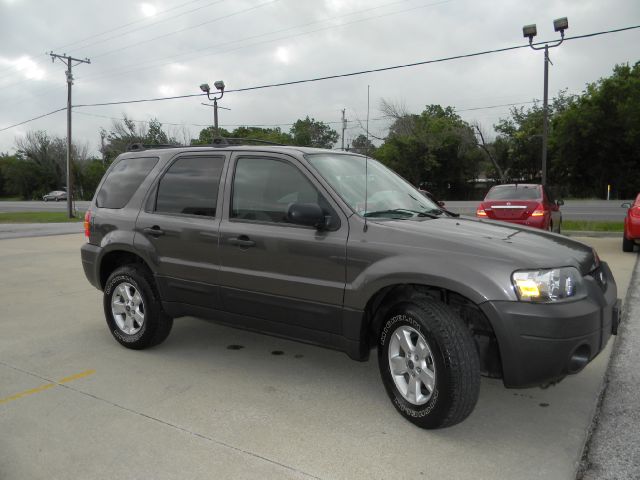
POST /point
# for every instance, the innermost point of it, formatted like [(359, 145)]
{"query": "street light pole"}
[(530, 31), (206, 89)]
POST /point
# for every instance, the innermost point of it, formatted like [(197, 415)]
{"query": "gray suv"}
[(332, 249)]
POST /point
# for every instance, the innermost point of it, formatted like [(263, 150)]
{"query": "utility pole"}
[(344, 127), (67, 60)]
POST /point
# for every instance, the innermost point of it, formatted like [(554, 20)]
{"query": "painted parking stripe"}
[(46, 386)]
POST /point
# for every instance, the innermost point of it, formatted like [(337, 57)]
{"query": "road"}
[(572, 210), (40, 206), (75, 404), (599, 210)]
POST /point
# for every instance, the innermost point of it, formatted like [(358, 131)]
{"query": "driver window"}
[(263, 189)]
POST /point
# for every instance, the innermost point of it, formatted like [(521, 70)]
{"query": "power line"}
[(223, 17), (362, 72), (172, 17), (112, 30), (444, 59), (33, 119), (153, 63)]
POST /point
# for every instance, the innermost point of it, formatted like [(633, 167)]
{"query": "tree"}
[(125, 132), (596, 139), (312, 133), (436, 149), (362, 145), (274, 135)]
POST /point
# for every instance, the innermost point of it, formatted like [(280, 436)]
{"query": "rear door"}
[(179, 229), (281, 273)]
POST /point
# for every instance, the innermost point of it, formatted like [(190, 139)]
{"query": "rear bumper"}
[(540, 343), (535, 222), (90, 254)]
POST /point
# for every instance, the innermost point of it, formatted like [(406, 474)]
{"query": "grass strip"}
[(592, 226), (39, 217)]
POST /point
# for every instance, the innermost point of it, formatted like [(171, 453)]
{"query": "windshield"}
[(514, 192), (388, 195)]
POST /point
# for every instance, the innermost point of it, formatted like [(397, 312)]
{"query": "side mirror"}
[(559, 202), (626, 205), (440, 203), (308, 214)]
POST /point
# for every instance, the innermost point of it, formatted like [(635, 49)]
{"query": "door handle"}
[(154, 231), (242, 241)]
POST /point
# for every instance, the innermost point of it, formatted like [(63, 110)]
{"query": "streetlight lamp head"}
[(219, 85), (529, 31), (560, 24), (205, 87)]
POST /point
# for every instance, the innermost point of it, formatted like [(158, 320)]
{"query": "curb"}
[(584, 233)]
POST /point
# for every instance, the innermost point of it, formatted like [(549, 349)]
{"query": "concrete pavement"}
[(612, 452), (194, 408)]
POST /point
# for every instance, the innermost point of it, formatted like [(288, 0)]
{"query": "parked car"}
[(280, 240), (631, 234), (524, 204), (56, 195)]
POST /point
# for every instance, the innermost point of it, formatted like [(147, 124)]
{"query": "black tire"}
[(627, 245), (156, 325), (559, 227), (453, 353)]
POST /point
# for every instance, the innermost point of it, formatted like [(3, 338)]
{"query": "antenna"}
[(366, 166)]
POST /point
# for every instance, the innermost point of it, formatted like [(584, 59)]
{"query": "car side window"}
[(263, 189), (123, 180), (190, 186)]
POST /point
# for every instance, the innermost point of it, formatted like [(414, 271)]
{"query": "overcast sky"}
[(169, 47)]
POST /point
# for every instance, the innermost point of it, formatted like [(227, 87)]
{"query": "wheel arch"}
[(115, 258), (481, 329)]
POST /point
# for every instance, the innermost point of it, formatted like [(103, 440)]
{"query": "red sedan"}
[(524, 204), (631, 225)]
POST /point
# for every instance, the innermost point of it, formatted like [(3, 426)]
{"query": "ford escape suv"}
[(334, 249)]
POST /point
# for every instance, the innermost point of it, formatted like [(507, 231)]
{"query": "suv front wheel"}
[(429, 363), (132, 309)]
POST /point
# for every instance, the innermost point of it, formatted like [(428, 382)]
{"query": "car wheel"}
[(627, 245), (57, 199), (429, 363), (46, 199), (132, 309)]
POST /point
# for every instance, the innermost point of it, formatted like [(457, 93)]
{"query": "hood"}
[(521, 247)]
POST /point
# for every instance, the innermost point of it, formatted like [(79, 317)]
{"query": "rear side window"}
[(514, 192), (190, 186), (123, 180)]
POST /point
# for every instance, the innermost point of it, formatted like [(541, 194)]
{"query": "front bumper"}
[(540, 343)]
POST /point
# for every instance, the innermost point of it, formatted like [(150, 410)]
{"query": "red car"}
[(631, 225), (522, 203)]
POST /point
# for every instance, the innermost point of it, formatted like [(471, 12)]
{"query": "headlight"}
[(553, 285)]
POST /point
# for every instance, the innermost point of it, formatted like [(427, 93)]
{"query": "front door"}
[(284, 274)]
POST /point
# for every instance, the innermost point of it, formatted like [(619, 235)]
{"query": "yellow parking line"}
[(86, 373), (46, 386)]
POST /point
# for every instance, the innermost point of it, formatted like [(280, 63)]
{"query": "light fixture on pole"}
[(530, 31), (206, 89)]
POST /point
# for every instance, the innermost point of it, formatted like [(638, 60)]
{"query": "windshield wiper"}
[(419, 213), (439, 211)]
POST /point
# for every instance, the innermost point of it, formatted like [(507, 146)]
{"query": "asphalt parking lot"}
[(74, 404)]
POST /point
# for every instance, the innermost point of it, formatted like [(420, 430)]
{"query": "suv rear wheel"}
[(429, 363), (132, 309)]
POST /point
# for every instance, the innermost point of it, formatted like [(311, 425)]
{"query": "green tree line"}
[(594, 141)]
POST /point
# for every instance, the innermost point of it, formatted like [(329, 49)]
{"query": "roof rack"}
[(133, 147), (226, 141)]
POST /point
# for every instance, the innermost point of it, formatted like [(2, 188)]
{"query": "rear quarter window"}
[(123, 180)]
